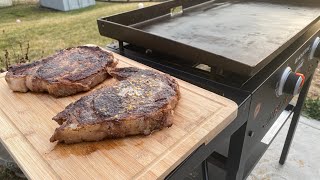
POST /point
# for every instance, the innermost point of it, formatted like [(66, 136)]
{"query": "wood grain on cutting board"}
[(26, 127)]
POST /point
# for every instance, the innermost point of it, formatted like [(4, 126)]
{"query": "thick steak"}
[(140, 102), (65, 73)]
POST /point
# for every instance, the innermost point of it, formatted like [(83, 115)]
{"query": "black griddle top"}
[(244, 32), (241, 36)]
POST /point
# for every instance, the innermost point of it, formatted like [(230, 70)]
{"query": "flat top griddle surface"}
[(246, 32)]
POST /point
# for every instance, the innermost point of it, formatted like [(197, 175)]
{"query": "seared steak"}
[(141, 101), (65, 73)]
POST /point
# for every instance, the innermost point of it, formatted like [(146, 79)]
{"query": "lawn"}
[(43, 31)]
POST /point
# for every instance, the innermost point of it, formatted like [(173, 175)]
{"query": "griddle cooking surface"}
[(245, 32)]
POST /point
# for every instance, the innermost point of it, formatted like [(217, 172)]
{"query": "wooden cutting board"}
[(26, 127)]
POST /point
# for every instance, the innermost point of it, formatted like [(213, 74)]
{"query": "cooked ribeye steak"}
[(65, 73), (141, 102)]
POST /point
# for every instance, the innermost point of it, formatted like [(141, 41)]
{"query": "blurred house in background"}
[(66, 5), (4, 3)]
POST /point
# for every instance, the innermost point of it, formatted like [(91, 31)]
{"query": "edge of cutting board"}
[(27, 156)]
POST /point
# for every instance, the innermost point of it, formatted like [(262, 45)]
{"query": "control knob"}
[(315, 49), (290, 82)]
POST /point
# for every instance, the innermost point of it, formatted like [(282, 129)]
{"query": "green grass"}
[(312, 108), (47, 31)]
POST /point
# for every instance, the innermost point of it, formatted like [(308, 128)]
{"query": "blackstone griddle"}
[(241, 37), (259, 54)]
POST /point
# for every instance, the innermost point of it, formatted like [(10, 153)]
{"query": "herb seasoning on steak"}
[(141, 102)]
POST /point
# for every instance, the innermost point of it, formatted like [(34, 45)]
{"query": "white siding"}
[(5, 3)]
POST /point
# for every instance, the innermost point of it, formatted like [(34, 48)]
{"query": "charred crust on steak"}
[(82, 62), (65, 73), (141, 102)]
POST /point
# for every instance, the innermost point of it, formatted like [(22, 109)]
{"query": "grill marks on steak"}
[(65, 73), (141, 102)]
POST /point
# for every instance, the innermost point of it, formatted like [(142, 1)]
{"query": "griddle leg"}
[(205, 175), (121, 46), (234, 163), (294, 121)]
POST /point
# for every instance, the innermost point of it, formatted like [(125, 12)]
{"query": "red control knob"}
[(303, 78)]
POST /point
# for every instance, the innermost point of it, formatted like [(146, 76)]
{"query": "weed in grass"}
[(1, 65), (19, 56), (6, 59), (16, 52), (25, 55)]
